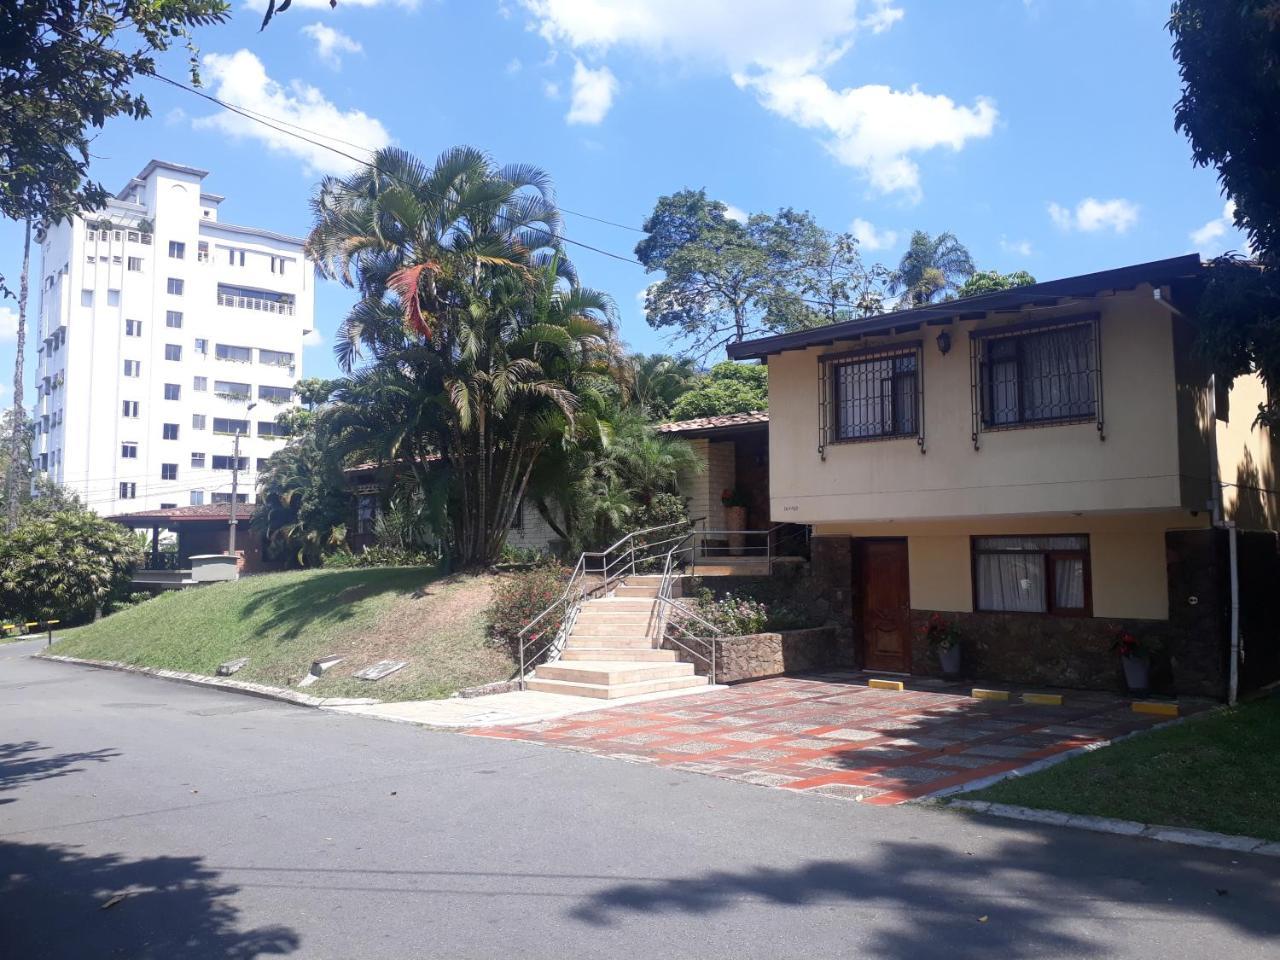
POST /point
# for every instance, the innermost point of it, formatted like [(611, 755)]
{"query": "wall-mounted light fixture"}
[(944, 342)]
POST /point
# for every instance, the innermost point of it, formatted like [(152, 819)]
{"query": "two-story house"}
[(1041, 465)]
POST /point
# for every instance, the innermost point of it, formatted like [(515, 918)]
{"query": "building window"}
[(275, 358), (130, 409), (269, 428), (202, 345), (366, 512), (1032, 574), (113, 298), (172, 351), (173, 318), (200, 383), (235, 257), (261, 464), (226, 498), (133, 236), (177, 251), (170, 431), (221, 462), (275, 394), (232, 390), (1039, 377), (172, 391), (224, 425), (133, 328), (237, 354), (277, 265), (197, 421), (197, 461), (133, 368), (168, 471), (135, 264), (876, 396), (86, 298), (129, 451), (128, 491), (197, 498), (167, 506), (202, 248), (174, 286)]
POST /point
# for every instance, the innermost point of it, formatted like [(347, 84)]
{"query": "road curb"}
[(260, 690), (1128, 828)]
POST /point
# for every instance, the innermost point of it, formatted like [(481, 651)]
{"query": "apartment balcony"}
[(261, 304)]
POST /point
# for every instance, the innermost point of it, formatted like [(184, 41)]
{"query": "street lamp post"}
[(235, 487)]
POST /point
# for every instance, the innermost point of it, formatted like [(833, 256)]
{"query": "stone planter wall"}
[(760, 655)]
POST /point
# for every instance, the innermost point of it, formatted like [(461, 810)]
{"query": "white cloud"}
[(593, 92), (8, 324), (551, 90), (736, 213), (313, 338), (778, 54), (241, 79), (514, 66), (870, 238), (331, 44), (175, 116), (1021, 247), (326, 6), (1209, 238), (1092, 215), (874, 128)]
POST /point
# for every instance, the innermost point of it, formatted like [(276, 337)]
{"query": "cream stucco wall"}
[(1248, 460), (1126, 556), (1015, 472), (703, 488)]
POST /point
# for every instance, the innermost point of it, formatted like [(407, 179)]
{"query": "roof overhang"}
[(1051, 293)]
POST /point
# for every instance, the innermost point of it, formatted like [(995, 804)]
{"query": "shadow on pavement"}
[(54, 904), (1029, 898), (26, 761)]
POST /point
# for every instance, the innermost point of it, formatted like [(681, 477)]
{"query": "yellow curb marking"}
[(878, 684), (1043, 699), (980, 694), (1159, 709)]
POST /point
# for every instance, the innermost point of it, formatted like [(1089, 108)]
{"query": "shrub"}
[(520, 598), (65, 565), (769, 605), (734, 616), (379, 556)]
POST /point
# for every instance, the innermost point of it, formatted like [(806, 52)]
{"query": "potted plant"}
[(943, 636), (735, 518), (1135, 657)]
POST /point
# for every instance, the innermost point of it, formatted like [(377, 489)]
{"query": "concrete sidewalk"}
[(501, 709)]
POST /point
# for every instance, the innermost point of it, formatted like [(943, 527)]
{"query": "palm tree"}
[(931, 266), (477, 338), (658, 380)]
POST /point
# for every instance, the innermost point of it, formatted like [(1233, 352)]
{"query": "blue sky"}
[(1039, 131)]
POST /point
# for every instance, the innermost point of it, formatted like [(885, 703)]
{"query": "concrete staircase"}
[(609, 654)]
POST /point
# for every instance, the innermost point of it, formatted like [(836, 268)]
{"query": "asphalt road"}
[(240, 828)]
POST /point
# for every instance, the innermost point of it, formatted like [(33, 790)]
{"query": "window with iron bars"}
[(875, 396), (1038, 376)]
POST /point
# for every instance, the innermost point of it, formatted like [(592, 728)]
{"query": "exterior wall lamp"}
[(944, 342)]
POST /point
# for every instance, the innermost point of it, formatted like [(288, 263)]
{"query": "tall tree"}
[(991, 281), (479, 340), (1228, 55), (657, 380), (931, 267), (18, 415), (727, 388), (725, 280)]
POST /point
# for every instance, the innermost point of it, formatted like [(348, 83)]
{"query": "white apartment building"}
[(163, 333)]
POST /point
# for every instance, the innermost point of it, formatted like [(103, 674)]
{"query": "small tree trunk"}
[(13, 475)]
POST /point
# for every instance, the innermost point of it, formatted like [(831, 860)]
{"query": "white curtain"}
[(1011, 581)]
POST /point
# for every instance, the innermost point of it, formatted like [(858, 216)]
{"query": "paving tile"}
[(962, 761), (916, 775), (766, 779), (997, 750), (747, 736), (639, 738), (848, 733), (691, 746), (845, 791)]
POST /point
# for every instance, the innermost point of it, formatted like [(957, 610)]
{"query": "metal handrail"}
[(667, 603), (570, 601)]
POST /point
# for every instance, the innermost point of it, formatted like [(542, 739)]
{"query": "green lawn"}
[(1219, 771), (283, 621)]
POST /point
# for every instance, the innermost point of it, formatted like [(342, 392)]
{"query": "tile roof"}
[(207, 511), (713, 423)]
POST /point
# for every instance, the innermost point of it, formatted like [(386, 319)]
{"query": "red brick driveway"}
[(833, 735)]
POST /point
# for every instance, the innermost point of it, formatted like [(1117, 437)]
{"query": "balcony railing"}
[(255, 303)]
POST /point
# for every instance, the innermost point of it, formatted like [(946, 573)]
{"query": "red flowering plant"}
[(941, 633), (1127, 645), (733, 497)]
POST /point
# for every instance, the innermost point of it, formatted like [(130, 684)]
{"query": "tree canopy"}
[(725, 280), (991, 281), (1228, 55), (727, 388), (932, 267)]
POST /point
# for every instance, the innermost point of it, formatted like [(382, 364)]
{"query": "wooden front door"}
[(886, 605)]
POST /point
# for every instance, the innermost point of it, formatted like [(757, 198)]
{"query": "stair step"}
[(620, 604), (605, 628), (602, 691), (580, 640), (612, 672), (637, 591), (648, 654)]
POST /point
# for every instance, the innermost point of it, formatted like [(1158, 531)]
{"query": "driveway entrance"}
[(833, 735)]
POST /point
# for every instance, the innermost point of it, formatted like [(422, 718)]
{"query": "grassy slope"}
[(1220, 771), (283, 621)]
